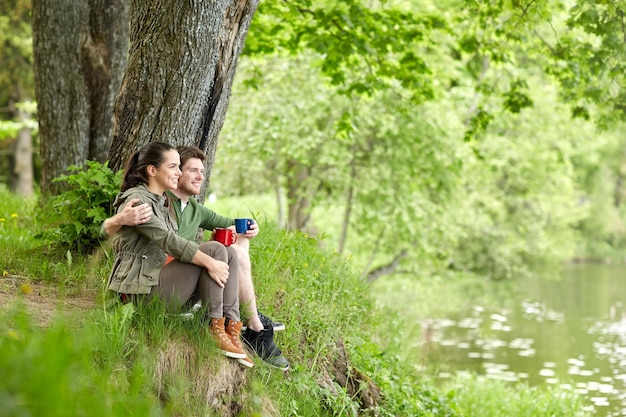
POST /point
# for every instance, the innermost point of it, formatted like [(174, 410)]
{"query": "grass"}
[(349, 356), (483, 396), (54, 372)]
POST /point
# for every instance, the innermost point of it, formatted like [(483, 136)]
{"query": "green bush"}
[(77, 213)]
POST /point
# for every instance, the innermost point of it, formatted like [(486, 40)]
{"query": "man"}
[(190, 216)]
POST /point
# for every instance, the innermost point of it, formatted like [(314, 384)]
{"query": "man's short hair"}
[(188, 152)]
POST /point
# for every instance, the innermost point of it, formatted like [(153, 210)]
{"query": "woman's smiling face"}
[(165, 176)]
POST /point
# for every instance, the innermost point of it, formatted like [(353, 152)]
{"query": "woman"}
[(207, 272)]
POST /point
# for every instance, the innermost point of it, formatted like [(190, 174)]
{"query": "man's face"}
[(192, 178)]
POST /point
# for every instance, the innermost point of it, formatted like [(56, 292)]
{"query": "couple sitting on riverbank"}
[(157, 216)]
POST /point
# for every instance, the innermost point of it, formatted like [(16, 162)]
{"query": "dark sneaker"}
[(267, 323), (262, 344)]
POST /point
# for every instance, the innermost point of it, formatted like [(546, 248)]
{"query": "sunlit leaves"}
[(517, 97), (364, 48), (16, 76), (581, 44)]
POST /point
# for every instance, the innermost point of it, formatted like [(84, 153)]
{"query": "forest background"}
[(423, 139), (485, 139)]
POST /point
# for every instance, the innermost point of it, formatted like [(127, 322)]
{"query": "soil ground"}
[(43, 300)]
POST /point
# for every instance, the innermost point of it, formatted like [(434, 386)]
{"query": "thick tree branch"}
[(388, 268)]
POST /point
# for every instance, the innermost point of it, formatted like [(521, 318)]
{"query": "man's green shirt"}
[(196, 216)]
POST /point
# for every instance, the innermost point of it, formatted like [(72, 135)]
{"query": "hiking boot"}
[(233, 331), (267, 323), (224, 343), (247, 362), (262, 344)]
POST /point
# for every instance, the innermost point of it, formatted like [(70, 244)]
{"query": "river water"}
[(569, 332)]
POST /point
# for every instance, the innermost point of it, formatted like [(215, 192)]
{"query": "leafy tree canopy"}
[(364, 47)]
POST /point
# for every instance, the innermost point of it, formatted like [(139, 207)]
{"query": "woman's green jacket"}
[(141, 250)]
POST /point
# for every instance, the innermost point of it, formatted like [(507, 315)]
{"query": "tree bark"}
[(345, 226), (104, 58), (298, 195), (21, 173), (79, 56), (181, 66)]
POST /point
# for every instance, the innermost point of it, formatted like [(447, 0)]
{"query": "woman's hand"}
[(218, 271)]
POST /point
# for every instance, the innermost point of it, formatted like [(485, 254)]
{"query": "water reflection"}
[(570, 333)]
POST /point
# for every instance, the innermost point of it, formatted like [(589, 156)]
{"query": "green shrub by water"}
[(480, 396)]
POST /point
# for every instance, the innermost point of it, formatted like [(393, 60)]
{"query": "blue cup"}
[(243, 225)]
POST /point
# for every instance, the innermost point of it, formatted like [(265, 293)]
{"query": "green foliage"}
[(408, 392), (22, 252), (399, 166), (497, 193), (16, 74), (19, 218), (481, 396), (601, 171), (580, 44), (590, 57), (9, 129), (521, 193), (517, 98), (366, 47), (81, 209), (51, 372)]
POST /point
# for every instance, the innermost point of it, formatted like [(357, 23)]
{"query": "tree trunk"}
[(181, 66), (298, 195), (104, 58), (79, 56), (21, 173), (345, 226)]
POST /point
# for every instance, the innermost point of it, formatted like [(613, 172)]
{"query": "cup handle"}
[(234, 238)]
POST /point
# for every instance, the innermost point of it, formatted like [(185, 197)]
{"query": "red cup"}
[(225, 236)]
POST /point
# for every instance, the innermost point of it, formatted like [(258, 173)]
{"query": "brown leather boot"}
[(233, 330), (224, 343)]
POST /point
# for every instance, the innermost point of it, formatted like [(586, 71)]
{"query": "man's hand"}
[(130, 215), (252, 231)]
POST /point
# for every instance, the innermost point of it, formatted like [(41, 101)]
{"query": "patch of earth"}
[(43, 301)]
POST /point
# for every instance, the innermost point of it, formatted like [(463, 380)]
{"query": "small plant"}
[(79, 211)]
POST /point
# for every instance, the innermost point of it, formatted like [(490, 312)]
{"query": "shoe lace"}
[(265, 321)]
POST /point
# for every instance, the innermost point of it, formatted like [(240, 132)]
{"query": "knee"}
[(243, 255), (232, 254), (215, 250), (238, 249)]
